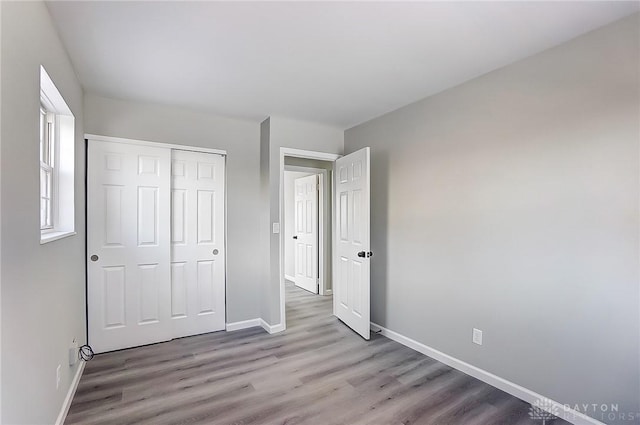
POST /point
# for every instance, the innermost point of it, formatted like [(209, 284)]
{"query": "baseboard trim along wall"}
[(289, 278), (244, 324), (72, 392), (515, 390), (253, 323), (272, 329)]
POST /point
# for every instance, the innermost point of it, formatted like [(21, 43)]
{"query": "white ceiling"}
[(337, 63)]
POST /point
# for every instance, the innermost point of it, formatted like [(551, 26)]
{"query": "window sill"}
[(54, 236)]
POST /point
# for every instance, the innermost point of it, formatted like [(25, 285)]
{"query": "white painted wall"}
[(0, 217), (109, 117), (289, 220), (277, 132), (511, 204), (43, 289), (265, 218)]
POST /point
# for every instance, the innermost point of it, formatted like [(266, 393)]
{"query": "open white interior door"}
[(306, 233), (351, 260)]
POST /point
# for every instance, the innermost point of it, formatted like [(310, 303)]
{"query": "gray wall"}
[(265, 217), (276, 133), (309, 163), (0, 218), (43, 289), (510, 204), (240, 139)]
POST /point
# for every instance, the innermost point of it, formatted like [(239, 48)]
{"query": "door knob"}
[(363, 254), (295, 237), (94, 258), (215, 252)]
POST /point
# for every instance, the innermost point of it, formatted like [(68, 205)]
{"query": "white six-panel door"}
[(128, 245), (306, 233), (155, 241), (351, 296), (197, 243)]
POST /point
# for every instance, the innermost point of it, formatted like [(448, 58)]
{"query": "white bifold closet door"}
[(156, 259)]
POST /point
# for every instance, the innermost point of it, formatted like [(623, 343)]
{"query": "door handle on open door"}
[(363, 254), (295, 237)]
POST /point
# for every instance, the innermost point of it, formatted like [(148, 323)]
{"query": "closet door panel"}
[(128, 244), (197, 244)]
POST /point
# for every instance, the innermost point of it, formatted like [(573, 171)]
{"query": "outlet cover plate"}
[(477, 336)]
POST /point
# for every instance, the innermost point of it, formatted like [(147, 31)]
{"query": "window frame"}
[(58, 129), (48, 165)]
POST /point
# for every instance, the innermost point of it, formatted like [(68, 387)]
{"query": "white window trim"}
[(46, 106), (63, 180), (54, 236)]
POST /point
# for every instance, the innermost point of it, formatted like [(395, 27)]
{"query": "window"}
[(46, 168), (57, 135)]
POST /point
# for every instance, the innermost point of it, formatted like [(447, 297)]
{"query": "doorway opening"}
[(307, 238), (349, 237), (306, 234), (307, 228)]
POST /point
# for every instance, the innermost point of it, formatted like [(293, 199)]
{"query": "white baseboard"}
[(244, 324), (72, 391), (328, 292), (289, 278), (515, 390), (252, 323), (272, 329)]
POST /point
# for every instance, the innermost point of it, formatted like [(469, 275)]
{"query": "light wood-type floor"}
[(317, 372)]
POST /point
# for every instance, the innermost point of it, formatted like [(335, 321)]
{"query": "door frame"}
[(95, 137), (323, 218), (296, 153), (98, 138)]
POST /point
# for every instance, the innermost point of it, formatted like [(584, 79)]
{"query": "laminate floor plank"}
[(316, 372)]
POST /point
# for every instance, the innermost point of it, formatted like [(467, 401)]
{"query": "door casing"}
[(296, 153)]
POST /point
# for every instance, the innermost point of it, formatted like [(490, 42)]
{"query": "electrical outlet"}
[(477, 336), (58, 377)]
